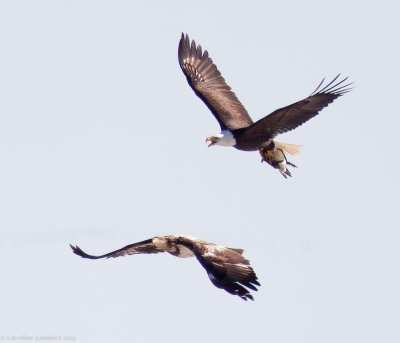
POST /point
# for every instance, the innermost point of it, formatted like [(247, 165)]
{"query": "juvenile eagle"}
[(226, 267), (237, 128)]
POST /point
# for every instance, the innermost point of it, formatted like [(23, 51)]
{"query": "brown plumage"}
[(226, 267), (209, 85)]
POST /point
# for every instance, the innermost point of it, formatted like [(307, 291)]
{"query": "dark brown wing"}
[(292, 116), (228, 269), (145, 247), (208, 84)]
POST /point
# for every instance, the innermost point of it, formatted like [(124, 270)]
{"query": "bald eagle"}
[(237, 128), (226, 267)]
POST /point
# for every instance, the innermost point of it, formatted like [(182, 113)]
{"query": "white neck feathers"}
[(226, 138)]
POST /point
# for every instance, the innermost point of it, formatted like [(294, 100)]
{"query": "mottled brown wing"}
[(145, 247), (209, 85), (292, 116), (229, 270)]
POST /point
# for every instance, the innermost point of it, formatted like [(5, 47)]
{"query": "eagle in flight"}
[(226, 267), (237, 128)]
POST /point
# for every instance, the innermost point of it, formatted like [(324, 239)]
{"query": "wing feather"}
[(294, 115), (144, 247), (209, 85)]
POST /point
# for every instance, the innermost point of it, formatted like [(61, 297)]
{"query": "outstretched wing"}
[(145, 247), (209, 85), (292, 116), (229, 270)]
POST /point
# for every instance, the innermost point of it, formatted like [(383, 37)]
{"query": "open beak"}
[(210, 139)]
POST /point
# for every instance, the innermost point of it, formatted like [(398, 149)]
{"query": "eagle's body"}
[(226, 267), (237, 127)]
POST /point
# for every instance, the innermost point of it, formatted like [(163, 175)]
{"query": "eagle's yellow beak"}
[(212, 140)]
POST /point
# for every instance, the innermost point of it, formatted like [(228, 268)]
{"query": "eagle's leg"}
[(276, 158)]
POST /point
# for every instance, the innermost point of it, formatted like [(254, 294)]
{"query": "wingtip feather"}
[(332, 87)]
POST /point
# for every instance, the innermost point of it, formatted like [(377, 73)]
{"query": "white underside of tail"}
[(291, 149)]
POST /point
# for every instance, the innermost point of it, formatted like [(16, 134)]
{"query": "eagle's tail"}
[(291, 149)]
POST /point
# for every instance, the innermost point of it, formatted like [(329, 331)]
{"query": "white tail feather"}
[(291, 149)]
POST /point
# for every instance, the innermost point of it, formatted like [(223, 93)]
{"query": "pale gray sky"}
[(102, 144)]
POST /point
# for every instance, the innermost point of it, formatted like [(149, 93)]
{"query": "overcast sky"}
[(102, 144)]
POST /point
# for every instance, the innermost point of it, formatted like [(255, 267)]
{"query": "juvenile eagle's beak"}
[(212, 140)]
